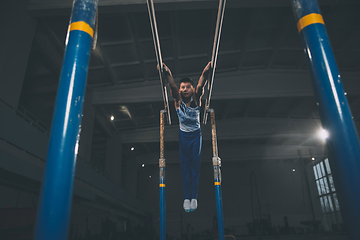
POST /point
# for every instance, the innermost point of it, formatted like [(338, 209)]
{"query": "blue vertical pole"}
[(343, 142), (162, 179), (217, 177), (57, 187)]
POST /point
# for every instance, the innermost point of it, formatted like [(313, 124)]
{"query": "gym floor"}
[(303, 237)]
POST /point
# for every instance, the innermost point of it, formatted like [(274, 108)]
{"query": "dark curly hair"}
[(187, 79)]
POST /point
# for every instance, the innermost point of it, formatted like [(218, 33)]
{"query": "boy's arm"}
[(201, 83), (174, 91)]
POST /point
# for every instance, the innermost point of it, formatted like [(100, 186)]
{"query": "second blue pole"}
[(335, 114), (162, 179), (217, 177)]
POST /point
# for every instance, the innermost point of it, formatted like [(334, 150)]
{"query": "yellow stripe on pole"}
[(161, 185), (217, 183), (309, 19), (82, 26)]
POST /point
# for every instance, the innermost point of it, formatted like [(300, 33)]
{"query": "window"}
[(327, 194)]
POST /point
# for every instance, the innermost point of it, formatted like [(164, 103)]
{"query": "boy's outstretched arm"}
[(174, 91), (201, 83)]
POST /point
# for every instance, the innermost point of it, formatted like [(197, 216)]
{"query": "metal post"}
[(162, 180), (57, 186), (343, 142), (217, 177), (214, 55)]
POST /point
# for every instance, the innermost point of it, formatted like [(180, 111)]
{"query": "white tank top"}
[(189, 117)]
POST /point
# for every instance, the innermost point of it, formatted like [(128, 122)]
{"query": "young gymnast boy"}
[(187, 105)]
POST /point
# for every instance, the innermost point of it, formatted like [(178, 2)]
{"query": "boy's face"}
[(186, 89)]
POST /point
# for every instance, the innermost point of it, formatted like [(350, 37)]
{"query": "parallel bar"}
[(151, 10), (57, 186), (335, 114), (214, 55), (162, 179), (217, 177)]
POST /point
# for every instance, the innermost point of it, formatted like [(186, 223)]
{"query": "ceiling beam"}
[(293, 107), (272, 106), (131, 117), (212, 33), (40, 91), (302, 58), (134, 31), (50, 47), (234, 85), (105, 122), (283, 30), (57, 7), (255, 15), (104, 59), (175, 42), (226, 110), (247, 109)]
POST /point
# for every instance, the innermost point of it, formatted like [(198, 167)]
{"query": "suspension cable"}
[(214, 56), (155, 35)]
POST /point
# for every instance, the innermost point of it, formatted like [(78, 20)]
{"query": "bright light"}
[(112, 118), (323, 134), (132, 148), (149, 176), (143, 165), (293, 169), (313, 158), (345, 94)]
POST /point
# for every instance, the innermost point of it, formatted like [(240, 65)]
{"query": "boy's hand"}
[(174, 91), (166, 70), (206, 70)]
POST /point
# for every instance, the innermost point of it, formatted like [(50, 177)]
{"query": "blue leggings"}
[(190, 155)]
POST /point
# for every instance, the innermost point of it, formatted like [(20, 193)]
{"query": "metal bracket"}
[(216, 161), (162, 162)]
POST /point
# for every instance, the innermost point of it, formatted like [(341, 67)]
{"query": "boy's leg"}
[(185, 165), (195, 165)]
